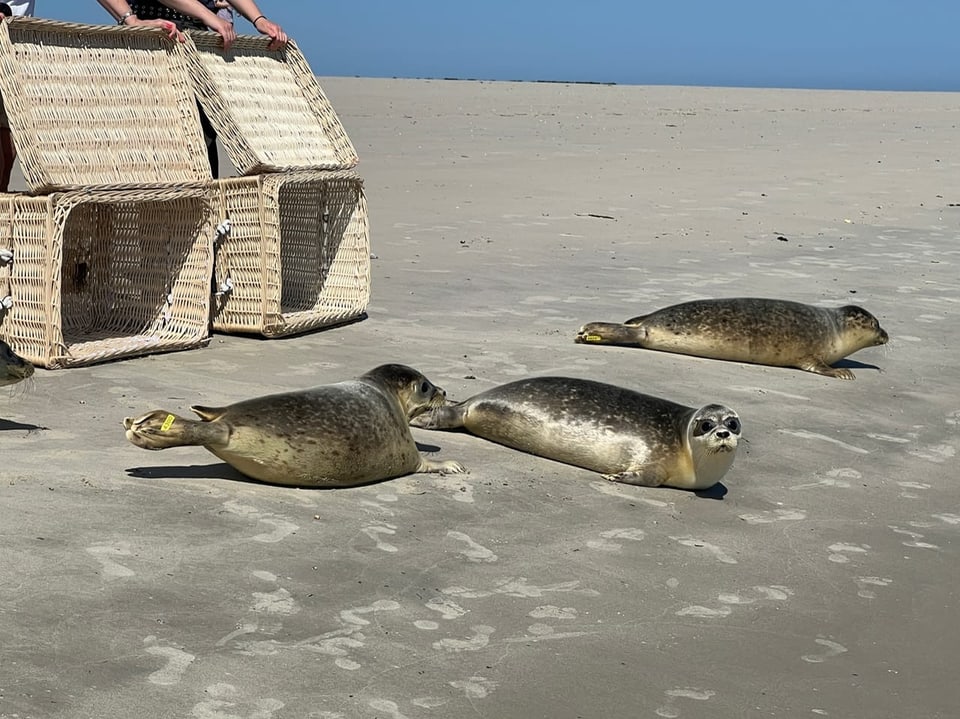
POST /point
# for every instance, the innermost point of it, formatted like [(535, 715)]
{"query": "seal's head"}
[(862, 328), (716, 428), (609, 333), (13, 368), (415, 392), (713, 435)]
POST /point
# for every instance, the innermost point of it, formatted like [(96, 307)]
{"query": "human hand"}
[(225, 30), (278, 38), (221, 4), (168, 27)]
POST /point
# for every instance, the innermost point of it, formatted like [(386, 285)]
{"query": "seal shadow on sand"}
[(717, 491), (848, 363), (7, 425), (217, 470)]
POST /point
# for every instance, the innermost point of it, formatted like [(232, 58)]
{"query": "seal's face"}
[(13, 368), (713, 435), (863, 326), (415, 392), (716, 429)]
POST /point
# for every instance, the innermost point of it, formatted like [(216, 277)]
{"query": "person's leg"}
[(8, 154), (210, 137)]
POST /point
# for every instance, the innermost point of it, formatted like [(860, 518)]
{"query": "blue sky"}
[(852, 44)]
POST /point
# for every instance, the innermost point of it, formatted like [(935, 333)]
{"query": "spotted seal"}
[(336, 435), (13, 368), (624, 435), (772, 332)]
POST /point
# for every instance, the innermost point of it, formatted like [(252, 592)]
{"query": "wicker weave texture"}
[(101, 275), (296, 256), (99, 106), (267, 107)]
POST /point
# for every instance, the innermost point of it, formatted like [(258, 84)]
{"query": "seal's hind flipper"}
[(208, 414), (160, 429)]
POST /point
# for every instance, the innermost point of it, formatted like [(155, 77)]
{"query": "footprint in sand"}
[(374, 532), (776, 515), (177, 663), (716, 551), (225, 702), (865, 582), (282, 528), (615, 490), (474, 687), (112, 569), (840, 550), (669, 709), (915, 538), (390, 710), (480, 639), (832, 650), (605, 544), (474, 552)]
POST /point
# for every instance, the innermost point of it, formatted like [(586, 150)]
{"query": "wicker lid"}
[(268, 109), (99, 106)]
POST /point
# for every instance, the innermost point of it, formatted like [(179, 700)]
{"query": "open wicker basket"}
[(97, 106), (296, 256), (101, 275), (269, 111)]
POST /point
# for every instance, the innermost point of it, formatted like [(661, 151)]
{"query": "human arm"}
[(263, 25), (198, 11), (124, 15)]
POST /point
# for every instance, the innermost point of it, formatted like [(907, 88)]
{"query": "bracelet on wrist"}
[(123, 18), (254, 21)]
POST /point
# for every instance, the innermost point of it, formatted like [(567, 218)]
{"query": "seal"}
[(336, 435), (13, 368), (771, 332), (624, 435)]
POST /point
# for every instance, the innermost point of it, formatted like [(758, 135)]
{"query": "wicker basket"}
[(101, 275), (296, 256), (99, 106), (267, 107)]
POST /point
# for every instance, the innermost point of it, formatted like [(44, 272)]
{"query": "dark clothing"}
[(154, 9)]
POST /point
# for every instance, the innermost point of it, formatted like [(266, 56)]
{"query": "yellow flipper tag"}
[(167, 423), (592, 338)]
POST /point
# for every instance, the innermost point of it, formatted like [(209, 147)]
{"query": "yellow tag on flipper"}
[(592, 338), (167, 423)]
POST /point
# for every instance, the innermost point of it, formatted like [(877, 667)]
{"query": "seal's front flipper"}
[(160, 429), (818, 367), (448, 417), (651, 476), (449, 466)]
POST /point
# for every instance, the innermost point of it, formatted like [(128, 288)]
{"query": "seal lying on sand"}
[(335, 435), (747, 329), (13, 368), (626, 436)]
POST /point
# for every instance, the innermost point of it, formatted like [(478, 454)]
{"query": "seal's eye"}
[(424, 388), (707, 425), (733, 424)]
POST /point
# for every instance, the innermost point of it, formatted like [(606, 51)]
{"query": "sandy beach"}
[(503, 216)]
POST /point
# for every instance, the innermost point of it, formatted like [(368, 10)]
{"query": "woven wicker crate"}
[(268, 109), (102, 275), (99, 106), (296, 256)]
